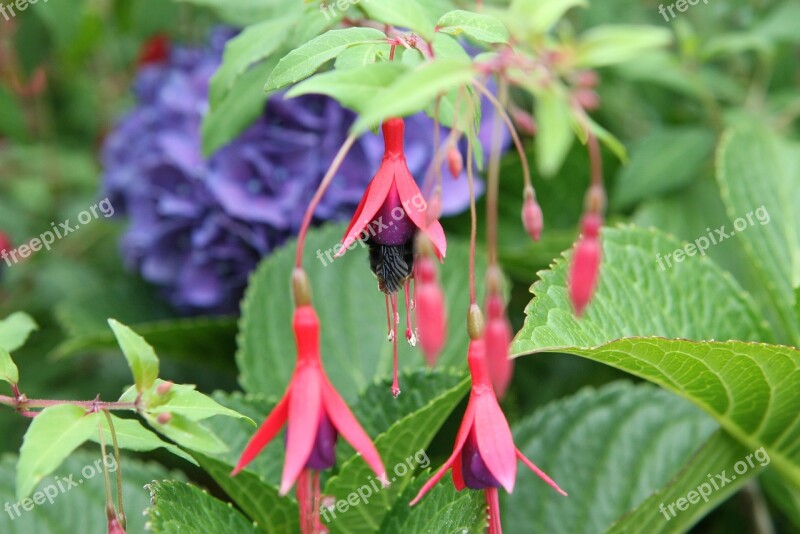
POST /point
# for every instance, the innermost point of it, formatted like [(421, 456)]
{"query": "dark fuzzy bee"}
[(391, 264)]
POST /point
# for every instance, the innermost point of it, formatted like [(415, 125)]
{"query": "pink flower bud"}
[(114, 527), (586, 79), (586, 98), (532, 218), (164, 388), (425, 270), (590, 225), (164, 418), (524, 121), (498, 340), (431, 320), (583, 272), (455, 162)]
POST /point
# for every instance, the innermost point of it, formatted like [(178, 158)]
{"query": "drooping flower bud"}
[(498, 340), (532, 219), (430, 308), (455, 162), (114, 526), (435, 205), (524, 121), (585, 264)]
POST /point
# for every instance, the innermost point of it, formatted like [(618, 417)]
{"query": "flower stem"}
[(473, 212), (123, 519), (494, 178), (24, 404), (323, 186)]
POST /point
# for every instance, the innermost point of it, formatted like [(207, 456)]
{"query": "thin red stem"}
[(493, 506), (396, 320), (24, 404), (473, 212), (494, 179), (323, 187)]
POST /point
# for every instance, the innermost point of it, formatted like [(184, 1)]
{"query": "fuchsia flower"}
[(390, 215), (314, 413), (585, 263), (431, 316), (485, 457)]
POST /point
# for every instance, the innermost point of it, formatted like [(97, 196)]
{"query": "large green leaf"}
[(757, 174), (647, 434), (402, 448), (693, 300), (612, 44), (52, 436), (717, 457), (414, 91), (443, 510), (186, 509), (8, 369), (407, 14), (355, 350), (478, 26), (141, 357), (79, 508), (538, 16), (554, 120), (133, 436), (665, 160), (305, 60), (15, 329)]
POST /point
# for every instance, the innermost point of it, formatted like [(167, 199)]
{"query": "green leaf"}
[(8, 369), (352, 87), (185, 400), (141, 358), (54, 433), (696, 300), (442, 510), (757, 175), (665, 160), (186, 509), (259, 500), (238, 109), (414, 91), (538, 16), (77, 508), (354, 347), (718, 456), (256, 43), (612, 44), (305, 60), (361, 55), (15, 329), (133, 436), (407, 14), (481, 27), (555, 126), (647, 435), (244, 12), (402, 449), (189, 434)]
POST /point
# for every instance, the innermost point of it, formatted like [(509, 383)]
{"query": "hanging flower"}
[(484, 457), (498, 335), (585, 264), (314, 414)]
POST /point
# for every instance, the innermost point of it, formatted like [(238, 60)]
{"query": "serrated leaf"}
[(485, 28), (664, 161), (757, 175), (403, 445), (352, 87), (414, 91), (238, 109), (8, 369), (612, 44), (81, 508), (141, 357), (641, 426), (54, 433), (443, 510), (555, 137), (696, 300), (355, 350), (407, 14), (186, 509), (15, 329), (718, 456), (189, 434), (305, 60), (133, 436), (255, 43)]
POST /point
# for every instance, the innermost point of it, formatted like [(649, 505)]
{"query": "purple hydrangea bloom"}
[(198, 226)]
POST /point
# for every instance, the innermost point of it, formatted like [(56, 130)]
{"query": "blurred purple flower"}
[(197, 226)]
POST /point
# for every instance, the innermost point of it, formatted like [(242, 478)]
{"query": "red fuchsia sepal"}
[(484, 429), (309, 404), (585, 264), (391, 190)]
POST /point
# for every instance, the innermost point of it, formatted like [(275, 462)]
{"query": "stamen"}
[(493, 508), (389, 325), (395, 381), (410, 335)]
